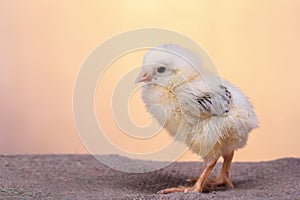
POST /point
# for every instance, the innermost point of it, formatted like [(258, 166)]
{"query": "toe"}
[(228, 183), (171, 190), (218, 181)]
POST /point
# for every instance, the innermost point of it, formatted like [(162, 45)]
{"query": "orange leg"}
[(200, 183), (223, 178)]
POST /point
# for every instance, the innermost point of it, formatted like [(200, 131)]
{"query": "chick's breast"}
[(163, 106)]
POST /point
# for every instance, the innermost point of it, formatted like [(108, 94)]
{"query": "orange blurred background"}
[(254, 44)]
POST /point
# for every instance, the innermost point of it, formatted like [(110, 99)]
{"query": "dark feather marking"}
[(227, 93), (203, 105), (207, 98), (204, 100)]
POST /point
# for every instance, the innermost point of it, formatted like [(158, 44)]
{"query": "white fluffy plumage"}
[(209, 114)]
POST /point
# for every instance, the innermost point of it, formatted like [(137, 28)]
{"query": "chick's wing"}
[(216, 102)]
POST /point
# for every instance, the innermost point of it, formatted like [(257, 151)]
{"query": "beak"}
[(143, 77)]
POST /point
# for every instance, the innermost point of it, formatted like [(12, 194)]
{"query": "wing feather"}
[(218, 102)]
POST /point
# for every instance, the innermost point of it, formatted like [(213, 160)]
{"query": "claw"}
[(191, 180)]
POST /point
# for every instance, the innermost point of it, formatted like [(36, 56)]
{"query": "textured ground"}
[(83, 177)]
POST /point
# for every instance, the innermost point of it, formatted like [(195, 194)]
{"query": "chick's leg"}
[(200, 183), (223, 178)]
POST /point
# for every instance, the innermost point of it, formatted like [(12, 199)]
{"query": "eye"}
[(161, 69)]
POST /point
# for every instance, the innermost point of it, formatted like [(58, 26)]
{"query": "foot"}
[(218, 181), (199, 186)]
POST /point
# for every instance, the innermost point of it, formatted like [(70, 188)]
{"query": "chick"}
[(210, 115)]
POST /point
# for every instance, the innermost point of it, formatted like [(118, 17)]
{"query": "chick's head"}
[(168, 65)]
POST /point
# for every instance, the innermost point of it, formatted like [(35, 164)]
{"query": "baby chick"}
[(210, 115)]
